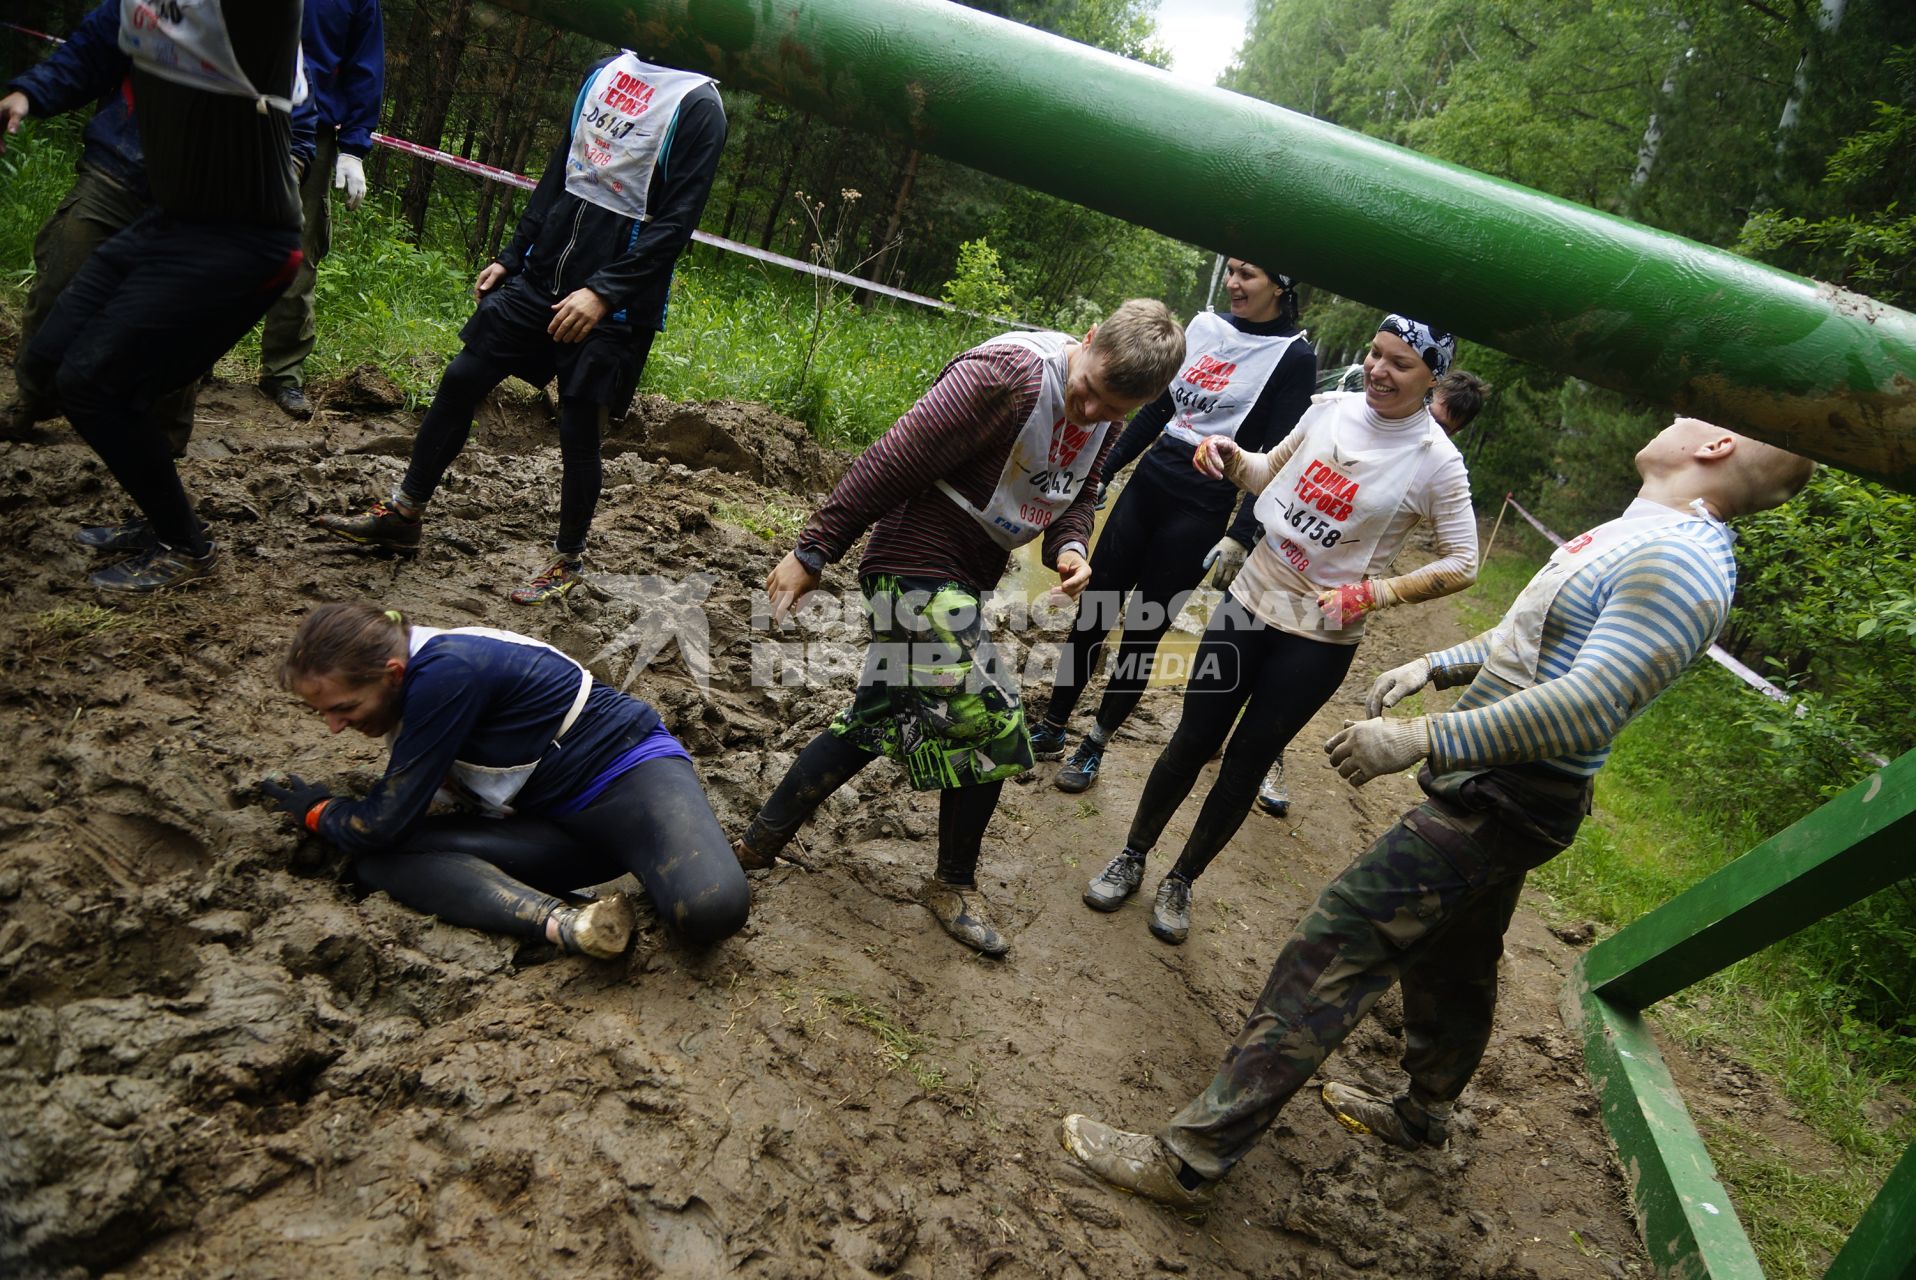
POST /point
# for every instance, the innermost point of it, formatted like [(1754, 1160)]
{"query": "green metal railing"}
[(1862, 841)]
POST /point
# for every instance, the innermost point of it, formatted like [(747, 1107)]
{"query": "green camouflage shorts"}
[(931, 696)]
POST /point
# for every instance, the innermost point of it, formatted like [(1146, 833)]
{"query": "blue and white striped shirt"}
[(1613, 639)]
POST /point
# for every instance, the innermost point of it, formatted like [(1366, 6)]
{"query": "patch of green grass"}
[(769, 519), (899, 1046)]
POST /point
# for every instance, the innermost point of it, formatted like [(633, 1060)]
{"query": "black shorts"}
[(509, 331)]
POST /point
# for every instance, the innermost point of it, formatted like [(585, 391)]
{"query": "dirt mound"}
[(362, 389), (217, 1058)]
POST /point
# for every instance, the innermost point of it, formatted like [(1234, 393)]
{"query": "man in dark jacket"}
[(579, 293), (345, 46), (109, 191)]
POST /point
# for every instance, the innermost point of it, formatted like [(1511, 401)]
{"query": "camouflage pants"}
[(932, 696), (1426, 905)]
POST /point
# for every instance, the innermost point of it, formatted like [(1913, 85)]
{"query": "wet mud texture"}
[(217, 1059)]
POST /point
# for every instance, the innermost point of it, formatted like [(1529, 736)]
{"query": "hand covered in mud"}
[(1073, 574), (292, 794), (787, 584), (1215, 455), (1229, 556), (1368, 749), (1397, 684)]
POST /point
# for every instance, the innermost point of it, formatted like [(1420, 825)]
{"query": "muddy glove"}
[(1229, 556), (1346, 604), (349, 175), (1397, 684), (289, 793), (1372, 748)]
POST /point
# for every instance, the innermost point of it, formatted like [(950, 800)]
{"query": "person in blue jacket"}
[(558, 782), (345, 46), (109, 191)]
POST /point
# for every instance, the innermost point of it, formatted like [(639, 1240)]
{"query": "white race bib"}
[(186, 41), (1050, 460), (1325, 511), (1226, 373), (624, 116)]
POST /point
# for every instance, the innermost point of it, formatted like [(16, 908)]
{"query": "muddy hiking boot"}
[(135, 535), (1047, 741), (1135, 1162), (1274, 797), (562, 576), (1119, 880), (383, 526), (291, 400), (1171, 912), (1082, 769), (157, 568), (601, 929), (962, 912), (1399, 1121)]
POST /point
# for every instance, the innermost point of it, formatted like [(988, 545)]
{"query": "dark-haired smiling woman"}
[(563, 782)]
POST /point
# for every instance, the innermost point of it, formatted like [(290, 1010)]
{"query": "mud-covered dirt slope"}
[(217, 1059)]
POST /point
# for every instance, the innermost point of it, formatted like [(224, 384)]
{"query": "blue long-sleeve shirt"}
[(345, 46), (493, 703)]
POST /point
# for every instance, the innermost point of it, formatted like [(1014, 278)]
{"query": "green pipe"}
[(1806, 366)]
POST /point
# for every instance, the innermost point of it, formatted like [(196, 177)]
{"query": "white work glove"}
[(1397, 684), (1229, 556), (1372, 748), (349, 175)]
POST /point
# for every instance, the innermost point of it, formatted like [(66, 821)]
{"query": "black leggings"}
[(827, 763), (502, 874), (1279, 681), (448, 425), (1153, 548)]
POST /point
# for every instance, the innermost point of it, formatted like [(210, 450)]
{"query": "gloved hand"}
[(291, 794), (1397, 684), (1346, 604), (1229, 556), (1370, 749), (349, 175)]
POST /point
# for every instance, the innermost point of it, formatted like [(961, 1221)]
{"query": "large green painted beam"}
[(1883, 1246), (1683, 1211), (1806, 366), (1862, 841)]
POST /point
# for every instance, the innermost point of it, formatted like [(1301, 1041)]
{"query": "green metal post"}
[(1807, 366), (1883, 1246)]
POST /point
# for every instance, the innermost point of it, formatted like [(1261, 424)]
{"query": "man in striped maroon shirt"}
[(1005, 447)]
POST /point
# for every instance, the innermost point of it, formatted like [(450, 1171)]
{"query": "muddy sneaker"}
[(384, 526), (1136, 1162), (1047, 741), (1171, 912), (1082, 769), (1398, 1121), (291, 400), (156, 569), (601, 929), (1119, 880), (552, 585), (135, 535), (962, 913), (1274, 797)]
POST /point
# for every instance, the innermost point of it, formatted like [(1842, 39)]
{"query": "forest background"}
[(1783, 130)]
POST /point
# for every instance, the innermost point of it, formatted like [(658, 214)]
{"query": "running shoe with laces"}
[(1274, 797), (1171, 912), (961, 911), (1135, 1162), (1082, 769), (560, 577), (1047, 741), (601, 929), (1398, 1121), (1119, 880), (156, 568), (135, 535), (383, 525)]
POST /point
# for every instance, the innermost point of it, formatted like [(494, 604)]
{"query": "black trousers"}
[(148, 313), (1278, 681), (503, 875), (1149, 557)]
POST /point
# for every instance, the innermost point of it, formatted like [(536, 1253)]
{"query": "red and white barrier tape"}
[(29, 31)]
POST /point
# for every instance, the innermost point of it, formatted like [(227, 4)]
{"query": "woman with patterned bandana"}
[(1337, 498)]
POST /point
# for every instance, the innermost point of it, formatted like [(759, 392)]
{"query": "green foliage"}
[(34, 175), (978, 284)]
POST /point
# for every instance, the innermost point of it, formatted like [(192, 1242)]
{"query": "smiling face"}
[(1088, 397), (372, 707), (1254, 295), (1395, 377)]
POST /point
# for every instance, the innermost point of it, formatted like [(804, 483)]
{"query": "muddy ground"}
[(217, 1059)]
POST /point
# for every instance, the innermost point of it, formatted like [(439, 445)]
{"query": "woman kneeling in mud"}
[(579, 782)]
